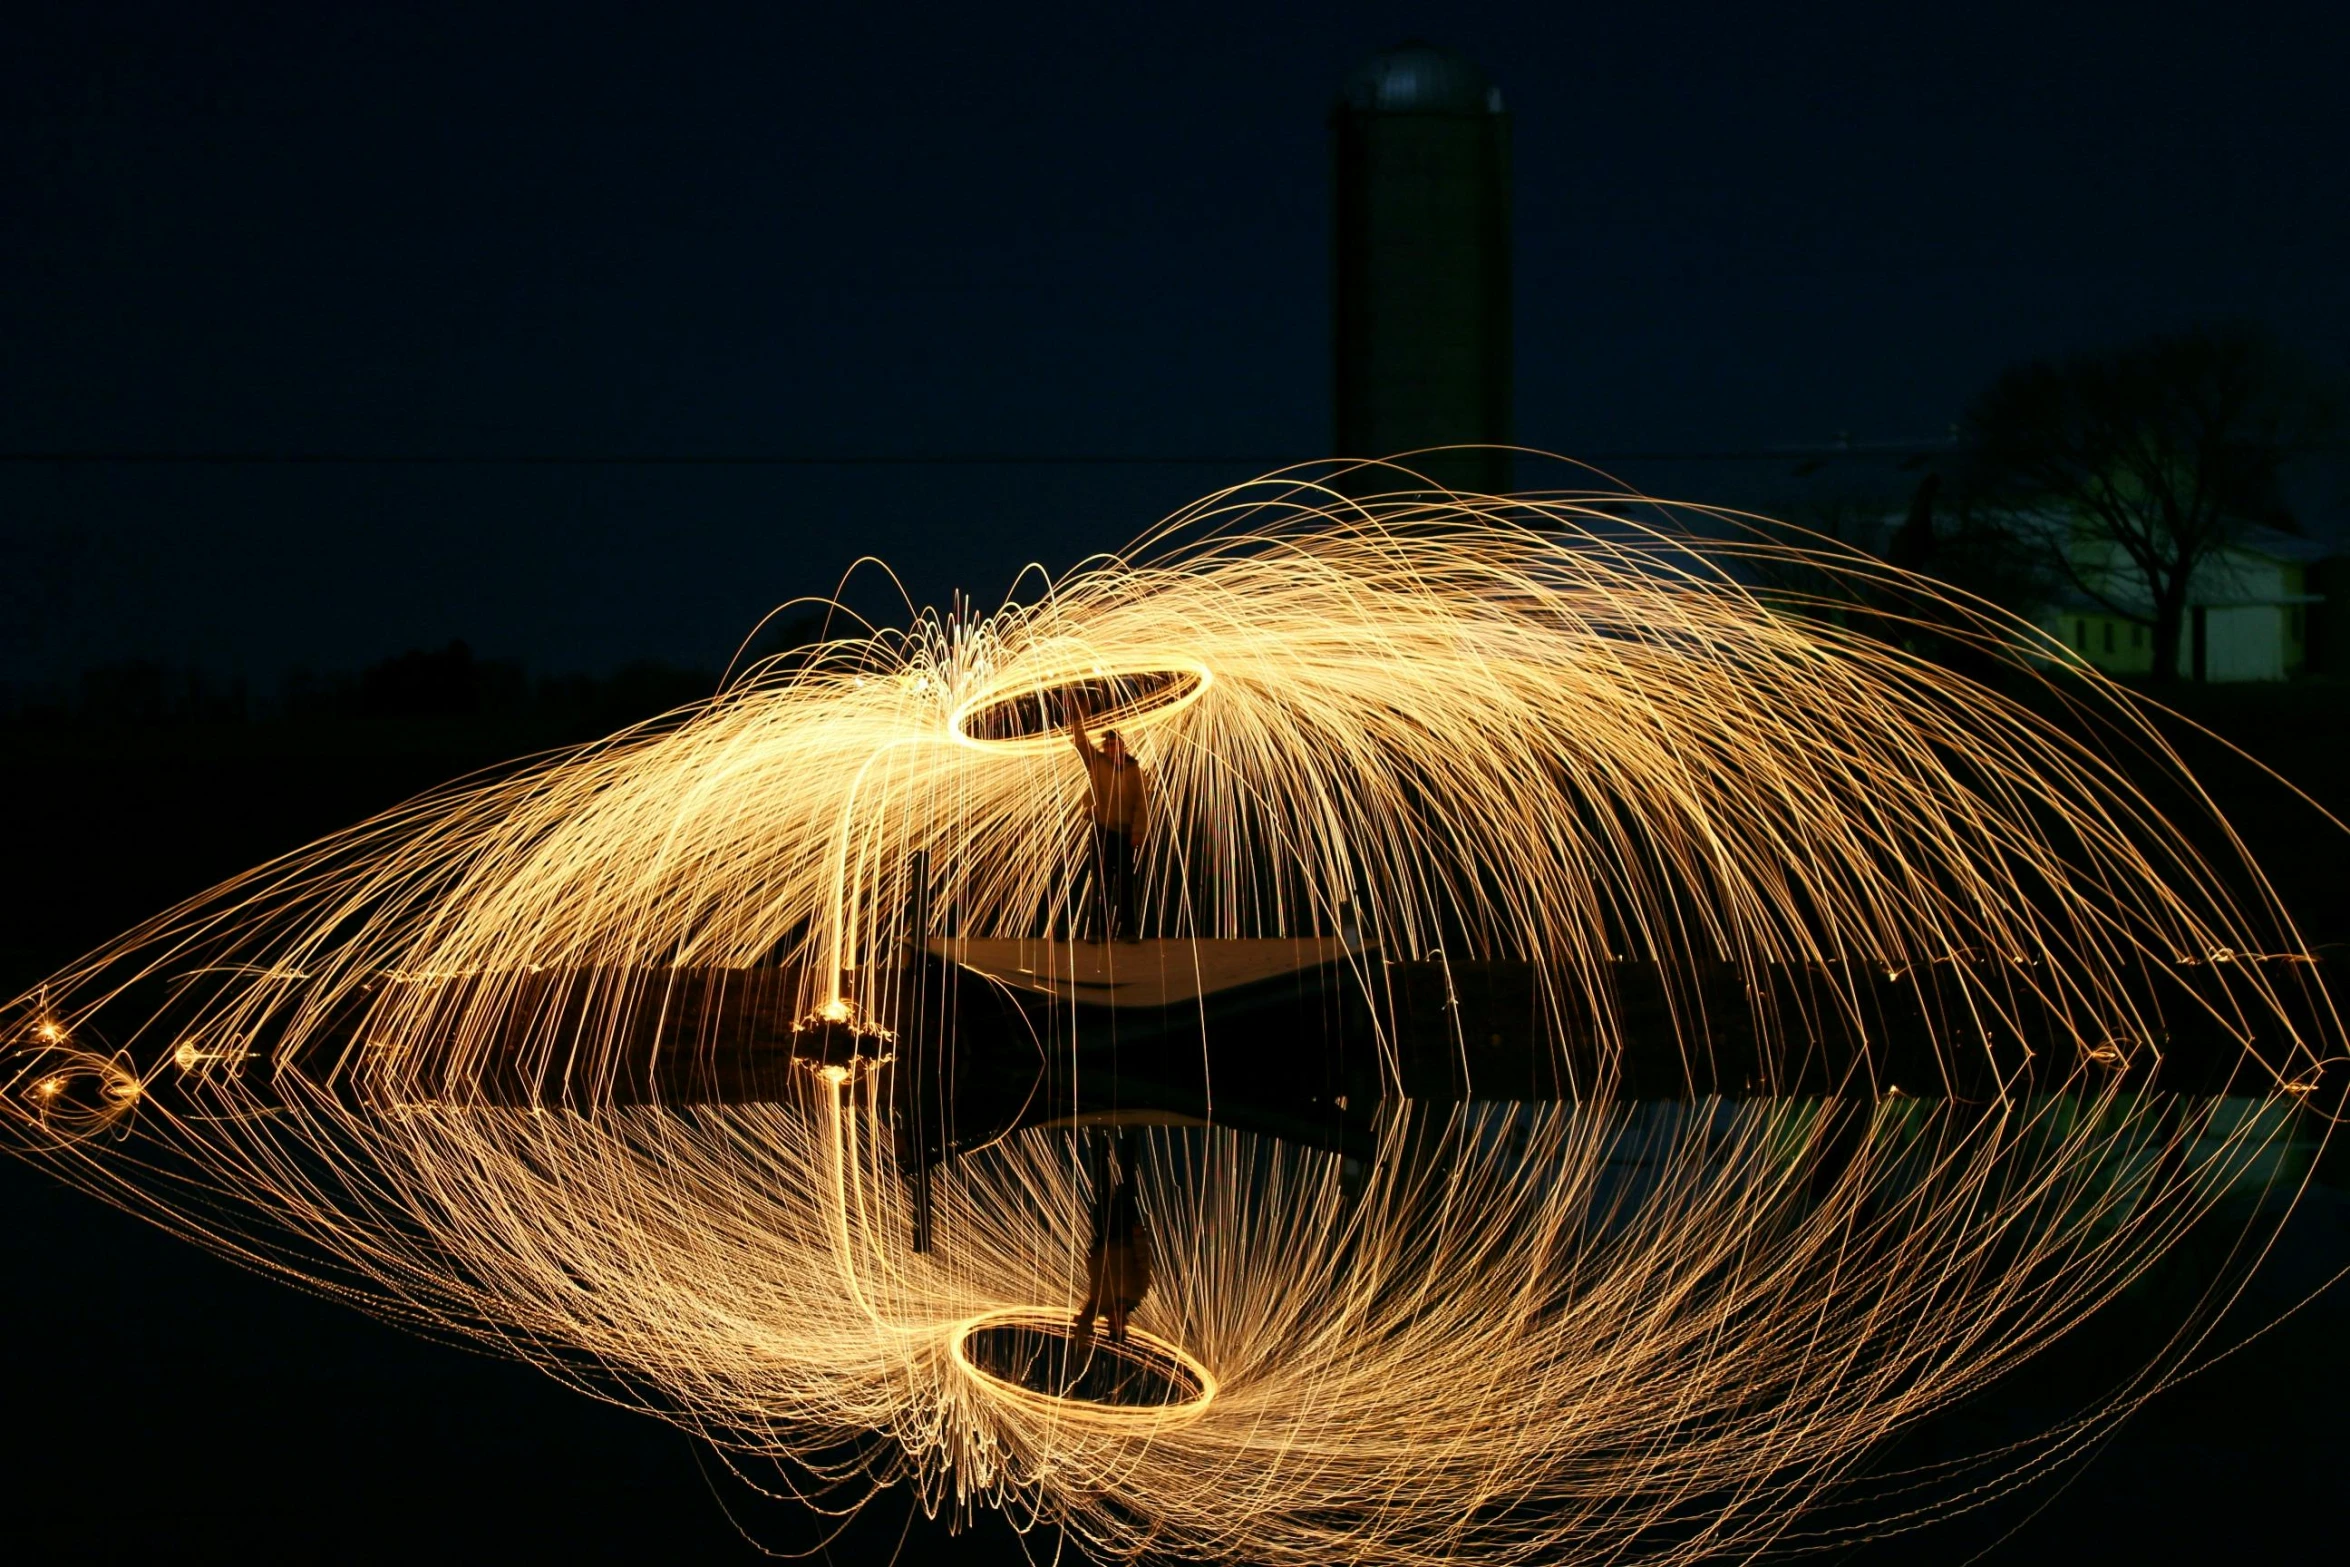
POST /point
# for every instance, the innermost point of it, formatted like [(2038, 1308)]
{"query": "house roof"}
[(2276, 544)]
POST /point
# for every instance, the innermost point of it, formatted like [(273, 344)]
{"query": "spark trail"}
[(1445, 727)]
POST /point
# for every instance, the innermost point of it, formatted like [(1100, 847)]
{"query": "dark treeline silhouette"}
[(445, 683), (143, 692)]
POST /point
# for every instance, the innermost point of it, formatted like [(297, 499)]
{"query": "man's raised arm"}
[(1077, 728)]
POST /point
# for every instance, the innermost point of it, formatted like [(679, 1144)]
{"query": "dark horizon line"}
[(133, 457)]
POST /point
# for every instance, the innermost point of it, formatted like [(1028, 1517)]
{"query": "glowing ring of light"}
[(1171, 1363), (1020, 717)]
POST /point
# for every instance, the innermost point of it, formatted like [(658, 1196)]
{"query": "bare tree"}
[(2123, 472)]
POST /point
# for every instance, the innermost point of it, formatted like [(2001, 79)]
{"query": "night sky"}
[(523, 244), (608, 231)]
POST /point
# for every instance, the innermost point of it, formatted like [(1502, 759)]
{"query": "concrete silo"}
[(1421, 263)]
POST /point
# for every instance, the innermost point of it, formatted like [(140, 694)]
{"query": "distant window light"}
[(2137, 637), (2109, 636)]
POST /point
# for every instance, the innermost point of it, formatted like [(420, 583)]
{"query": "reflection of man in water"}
[(1118, 798), (1118, 1265)]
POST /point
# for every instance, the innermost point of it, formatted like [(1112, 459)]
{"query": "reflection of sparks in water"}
[(1032, 1358), (1519, 1332)]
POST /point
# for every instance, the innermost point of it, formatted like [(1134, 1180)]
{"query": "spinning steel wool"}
[(1859, 1030)]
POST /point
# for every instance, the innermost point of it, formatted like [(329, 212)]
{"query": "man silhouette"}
[(1118, 1263), (1118, 802)]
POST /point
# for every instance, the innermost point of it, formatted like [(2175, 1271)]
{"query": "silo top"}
[(1419, 78)]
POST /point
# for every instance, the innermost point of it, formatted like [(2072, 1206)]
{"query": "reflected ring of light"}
[(1143, 1355)]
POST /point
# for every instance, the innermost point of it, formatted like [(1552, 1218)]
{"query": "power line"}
[(331, 459), (138, 457)]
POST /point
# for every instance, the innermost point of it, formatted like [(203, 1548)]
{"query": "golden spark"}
[(503, 1053)]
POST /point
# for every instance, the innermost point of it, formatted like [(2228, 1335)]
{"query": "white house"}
[(2248, 609)]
